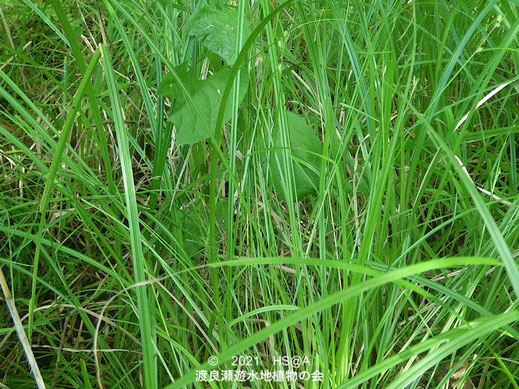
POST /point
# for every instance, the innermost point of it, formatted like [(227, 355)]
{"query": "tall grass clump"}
[(184, 183)]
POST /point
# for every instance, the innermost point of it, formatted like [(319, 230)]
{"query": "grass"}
[(129, 259)]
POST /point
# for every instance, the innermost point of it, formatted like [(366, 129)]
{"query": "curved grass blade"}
[(322, 305), (65, 133), (444, 345)]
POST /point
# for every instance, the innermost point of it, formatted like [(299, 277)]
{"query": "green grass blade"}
[(65, 133), (139, 263), (322, 305)]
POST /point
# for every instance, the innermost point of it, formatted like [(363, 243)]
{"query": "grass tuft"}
[(336, 180)]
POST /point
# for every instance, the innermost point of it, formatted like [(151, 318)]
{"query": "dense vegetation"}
[(331, 179)]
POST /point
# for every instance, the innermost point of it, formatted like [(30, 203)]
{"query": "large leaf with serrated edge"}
[(217, 30), (197, 102)]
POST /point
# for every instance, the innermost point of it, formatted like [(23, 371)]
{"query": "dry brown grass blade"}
[(21, 333)]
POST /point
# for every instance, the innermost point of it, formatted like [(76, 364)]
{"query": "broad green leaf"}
[(194, 232), (193, 235), (171, 88), (217, 30), (306, 148), (197, 102)]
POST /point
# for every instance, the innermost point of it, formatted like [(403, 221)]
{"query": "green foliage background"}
[(335, 179)]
